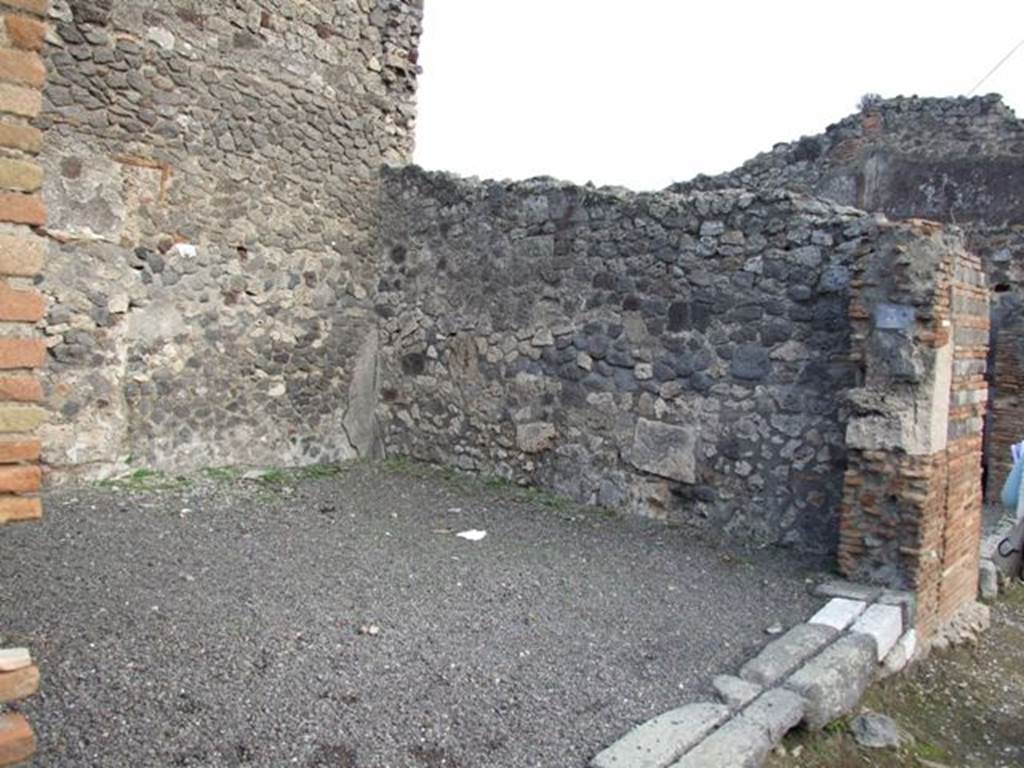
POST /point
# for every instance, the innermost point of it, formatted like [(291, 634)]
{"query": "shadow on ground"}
[(333, 618), (957, 709)]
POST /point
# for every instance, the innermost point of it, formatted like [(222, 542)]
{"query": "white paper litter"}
[(471, 535)]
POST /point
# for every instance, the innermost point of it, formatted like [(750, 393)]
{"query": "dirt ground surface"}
[(961, 708), (332, 617)]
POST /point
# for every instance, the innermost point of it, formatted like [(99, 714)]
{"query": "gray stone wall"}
[(679, 355), (953, 160), (956, 160), (212, 173)]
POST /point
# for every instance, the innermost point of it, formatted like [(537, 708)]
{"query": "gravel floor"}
[(223, 622)]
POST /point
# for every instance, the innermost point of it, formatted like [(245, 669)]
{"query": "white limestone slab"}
[(839, 613), (902, 653), (882, 622)]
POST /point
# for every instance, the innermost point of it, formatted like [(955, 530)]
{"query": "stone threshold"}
[(813, 674)]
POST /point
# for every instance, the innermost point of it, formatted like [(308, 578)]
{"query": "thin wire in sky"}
[(996, 67)]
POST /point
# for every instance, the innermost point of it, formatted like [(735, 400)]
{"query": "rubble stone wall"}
[(234, 277), (681, 355), (211, 177), (955, 160)]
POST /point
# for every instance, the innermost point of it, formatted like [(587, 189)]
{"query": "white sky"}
[(646, 92)]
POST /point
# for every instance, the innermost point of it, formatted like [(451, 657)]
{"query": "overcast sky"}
[(645, 92)]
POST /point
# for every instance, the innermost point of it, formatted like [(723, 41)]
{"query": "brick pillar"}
[(968, 400), (912, 494), (22, 350), (21, 252)]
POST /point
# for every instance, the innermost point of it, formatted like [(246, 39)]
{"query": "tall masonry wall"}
[(211, 179), (682, 355), (232, 278), (954, 160)]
